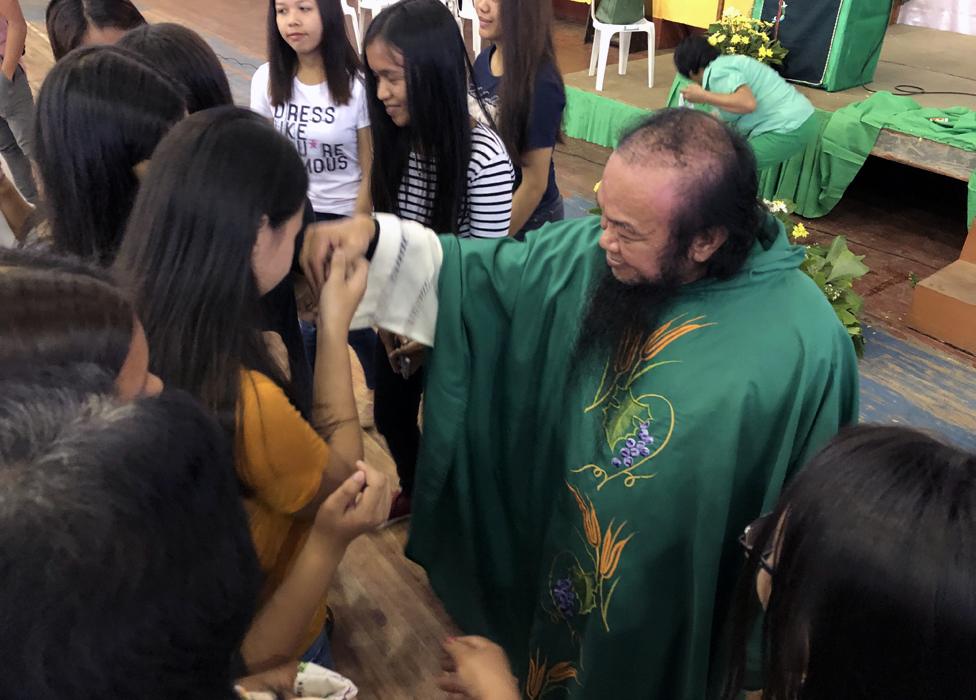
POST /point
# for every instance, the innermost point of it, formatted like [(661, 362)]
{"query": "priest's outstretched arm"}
[(405, 261)]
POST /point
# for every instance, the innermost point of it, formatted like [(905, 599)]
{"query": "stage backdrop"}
[(833, 44)]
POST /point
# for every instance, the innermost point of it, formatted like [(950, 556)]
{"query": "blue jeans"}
[(542, 216), (320, 652), (363, 341)]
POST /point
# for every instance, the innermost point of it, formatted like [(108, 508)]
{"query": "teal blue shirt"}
[(779, 106)]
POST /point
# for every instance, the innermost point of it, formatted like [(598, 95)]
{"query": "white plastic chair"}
[(603, 33), (466, 12), (357, 31)]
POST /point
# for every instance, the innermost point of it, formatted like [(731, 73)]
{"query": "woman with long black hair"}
[(433, 164), (520, 80), (866, 569), (213, 230), (100, 114)]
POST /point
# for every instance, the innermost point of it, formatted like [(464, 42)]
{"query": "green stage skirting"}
[(816, 179)]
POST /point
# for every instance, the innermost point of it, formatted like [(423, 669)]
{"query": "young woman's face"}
[(274, 251), (135, 380), (391, 80), (489, 19), (300, 24)]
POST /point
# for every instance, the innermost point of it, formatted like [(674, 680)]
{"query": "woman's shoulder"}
[(262, 73), (486, 142)]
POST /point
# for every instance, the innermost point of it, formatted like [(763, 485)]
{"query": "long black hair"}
[(69, 20), (100, 112), (59, 312), (438, 77), (338, 56), (188, 251), (527, 48), (874, 574), (184, 57)]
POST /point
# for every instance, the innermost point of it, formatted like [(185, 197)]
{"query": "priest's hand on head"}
[(321, 240), (476, 668), (341, 292)]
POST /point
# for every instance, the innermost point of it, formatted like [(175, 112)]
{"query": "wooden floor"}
[(389, 623)]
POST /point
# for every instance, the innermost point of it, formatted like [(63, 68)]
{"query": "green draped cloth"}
[(586, 516), (816, 179)]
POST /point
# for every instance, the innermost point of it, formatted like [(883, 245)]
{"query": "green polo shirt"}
[(779, 106)]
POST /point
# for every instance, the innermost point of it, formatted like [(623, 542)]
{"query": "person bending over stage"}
[(776, 119), (607, 409)]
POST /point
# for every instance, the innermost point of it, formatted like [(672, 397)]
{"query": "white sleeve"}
[(260, 100), (401, 291), (359, 95)]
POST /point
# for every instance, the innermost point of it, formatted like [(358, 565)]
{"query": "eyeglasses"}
[(748, 540)]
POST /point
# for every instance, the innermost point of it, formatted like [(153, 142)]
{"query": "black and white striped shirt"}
[(491, 179)]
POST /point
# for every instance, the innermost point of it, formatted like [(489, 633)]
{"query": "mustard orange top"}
[(280, 460)]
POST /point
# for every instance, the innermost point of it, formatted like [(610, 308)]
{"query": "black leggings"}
[(396, 404)]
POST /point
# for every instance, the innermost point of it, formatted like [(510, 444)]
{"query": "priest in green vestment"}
[(608, 404)]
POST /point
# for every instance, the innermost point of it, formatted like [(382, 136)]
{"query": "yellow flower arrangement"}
[(737, 33)]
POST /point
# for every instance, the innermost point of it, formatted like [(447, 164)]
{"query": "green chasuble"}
[(586, 518)]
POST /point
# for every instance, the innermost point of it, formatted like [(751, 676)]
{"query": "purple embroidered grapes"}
[(634, 449), (565, 597)]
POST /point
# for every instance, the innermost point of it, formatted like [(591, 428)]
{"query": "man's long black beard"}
[(619, 312)]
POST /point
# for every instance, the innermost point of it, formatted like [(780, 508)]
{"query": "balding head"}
[(713, 169)]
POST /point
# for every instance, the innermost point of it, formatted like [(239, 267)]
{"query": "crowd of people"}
[(638, 473)]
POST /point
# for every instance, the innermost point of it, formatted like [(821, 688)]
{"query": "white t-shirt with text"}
[(325, 134)]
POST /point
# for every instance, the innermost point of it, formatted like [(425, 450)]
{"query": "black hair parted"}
[(69, 21)]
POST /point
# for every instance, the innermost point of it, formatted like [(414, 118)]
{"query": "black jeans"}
[(396, 404)]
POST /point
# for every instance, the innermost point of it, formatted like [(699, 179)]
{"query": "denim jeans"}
[(17, 131), (320, 652), (544, 215)]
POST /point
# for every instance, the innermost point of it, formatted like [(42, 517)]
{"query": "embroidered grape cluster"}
[(634, 449), (564, 597)]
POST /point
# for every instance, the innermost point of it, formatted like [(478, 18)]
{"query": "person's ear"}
[(707, 243)]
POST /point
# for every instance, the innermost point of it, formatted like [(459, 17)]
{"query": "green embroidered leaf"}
[(585, 588), (623, 420)]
